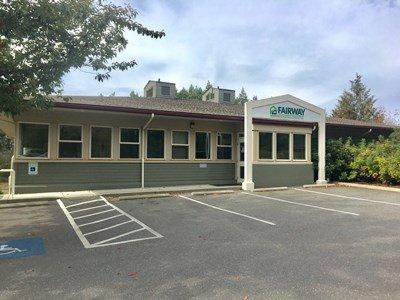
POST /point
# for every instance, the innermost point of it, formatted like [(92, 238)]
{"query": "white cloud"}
[(308, 48)]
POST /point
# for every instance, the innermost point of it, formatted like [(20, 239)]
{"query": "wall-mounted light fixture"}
[(191, 125)]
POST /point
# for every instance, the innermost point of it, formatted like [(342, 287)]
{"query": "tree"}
[(40, 41), (358, 103), (134, 94), (193, 93), (208, 85), (242, 98)]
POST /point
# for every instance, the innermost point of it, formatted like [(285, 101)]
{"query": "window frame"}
[(165, 144), (68, 141), (169, 90), (112, 143), (225, 146), (18, 148), (129, 143), (273, 146), (276, 147), (172, 144), (195, 147), (223, 97), (305, 146)]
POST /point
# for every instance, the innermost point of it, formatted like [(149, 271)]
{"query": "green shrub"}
[(377, 161)]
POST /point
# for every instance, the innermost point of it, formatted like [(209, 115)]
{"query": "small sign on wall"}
[(33, 168), (203, 166)]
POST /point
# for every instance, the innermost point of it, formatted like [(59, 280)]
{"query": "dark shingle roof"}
[(193, 107)]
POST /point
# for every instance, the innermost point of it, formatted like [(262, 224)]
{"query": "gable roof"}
[(180, 107)]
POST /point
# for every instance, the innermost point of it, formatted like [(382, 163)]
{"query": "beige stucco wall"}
[(87, 119)]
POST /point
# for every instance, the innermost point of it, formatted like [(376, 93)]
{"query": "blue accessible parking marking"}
[(22, 248)]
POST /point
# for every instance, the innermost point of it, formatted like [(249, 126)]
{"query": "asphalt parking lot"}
[(314, 243)]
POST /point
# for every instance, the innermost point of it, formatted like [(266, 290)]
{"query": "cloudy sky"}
[(309, 49)]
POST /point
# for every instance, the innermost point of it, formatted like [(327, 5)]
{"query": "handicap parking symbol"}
[(22, 248)]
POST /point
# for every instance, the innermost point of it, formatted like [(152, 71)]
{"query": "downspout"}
[(142, 144)]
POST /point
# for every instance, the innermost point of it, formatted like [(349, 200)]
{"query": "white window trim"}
[(225, 146), (165, 146), (276, 147), (129, 143), (305, 146), (211, 148), (187, 145), (19, 141), (112, 143), (273, 136), (68, 141)]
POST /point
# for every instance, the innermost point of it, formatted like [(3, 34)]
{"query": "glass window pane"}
[(299, 146), (224, 139), (203, 145), (180, 137), (129, 135), (70, 133), (227, 97), (129, 151), (265, 145), (101, 142), (180, 152), (282, 146), (34, 140), (165, 90), (69, 150), (224, 153), (155, 144)]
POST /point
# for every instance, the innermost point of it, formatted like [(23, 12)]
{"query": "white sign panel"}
[(285, 111), (33, 168)]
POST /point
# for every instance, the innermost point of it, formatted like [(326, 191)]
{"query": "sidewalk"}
[(133, 191)]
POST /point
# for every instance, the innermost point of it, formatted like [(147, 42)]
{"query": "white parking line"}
[(80, 203), (89, 208), (349, 197), (94, 214), (302, 204), (101, 220), (104, 229), (103, 243), (228, 211)]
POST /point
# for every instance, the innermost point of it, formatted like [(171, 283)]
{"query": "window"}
[(203, 147), (227, 97), (34, 140), (155, 143), (299, 146), (165, 90), (224, 146), (282, 146), (180, 145), (129, 143), (265, 145), (70, 141), (100, 142), (149, 92)]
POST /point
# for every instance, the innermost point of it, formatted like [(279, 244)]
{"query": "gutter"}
[(142, 145)]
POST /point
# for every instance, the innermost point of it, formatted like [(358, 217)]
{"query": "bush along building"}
[(91, 142)]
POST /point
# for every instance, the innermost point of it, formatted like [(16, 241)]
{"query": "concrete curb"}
[(212, 192), (271, 189), (24, 204), (371, 187), (307, 186), (145, 196)]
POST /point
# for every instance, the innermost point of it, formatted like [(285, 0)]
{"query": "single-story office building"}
[(122, 142)]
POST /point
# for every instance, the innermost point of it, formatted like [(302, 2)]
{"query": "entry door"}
[(240, 158)]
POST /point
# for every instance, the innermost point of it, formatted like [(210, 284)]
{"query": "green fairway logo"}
[(287, 112)]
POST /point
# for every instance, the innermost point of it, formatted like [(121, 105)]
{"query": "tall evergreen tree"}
[(192, 93), (208, 85), (134, 94), (357, 103), (242, 98)]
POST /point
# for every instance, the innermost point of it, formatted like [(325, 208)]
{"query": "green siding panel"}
[(71, 176), (282, 175)]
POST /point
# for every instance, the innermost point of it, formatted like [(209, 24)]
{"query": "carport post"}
[(321, 150), (248, 184)]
